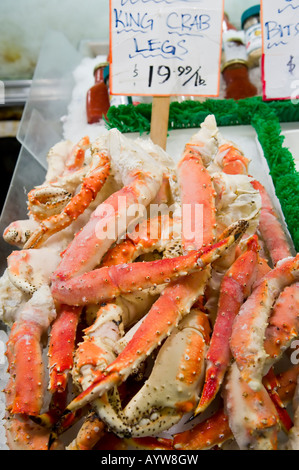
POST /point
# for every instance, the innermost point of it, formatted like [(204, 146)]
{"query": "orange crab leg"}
[(247, 344), (281, 387), (25, 388), (91, 431), (283, 324), (196, 187), (23, 434), (287, 381), (108, 282), (76, 157), (64, 328), (61, 346), (233, 160), (88, 246), (211, 432), (270, 227), (253, 417), (178, 385), (235, 288), (271, 383), (152, 233)]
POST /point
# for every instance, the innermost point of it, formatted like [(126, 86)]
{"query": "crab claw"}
[(177, 376), (91, 185)]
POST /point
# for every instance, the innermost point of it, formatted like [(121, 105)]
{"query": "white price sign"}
[(165, 47), (280, 66)]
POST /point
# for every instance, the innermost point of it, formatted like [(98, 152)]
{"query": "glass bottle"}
[(235, 67), (251, 24), (97, 98)]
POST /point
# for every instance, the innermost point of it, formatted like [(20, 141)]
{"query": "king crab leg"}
[(247, 344), (271, 383), (26, 386), (25, 393), (282, 328), (233, 161), (174, 303), (196, 188), (96, 351), (107, 283), (23, 434), (271, 229), (235, 288), (92, 430), (283, 325), (65, 325), (61, 346), (252, 414), (18, 232)]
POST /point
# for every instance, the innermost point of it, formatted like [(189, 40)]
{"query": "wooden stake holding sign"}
[(154, 51), (159, 120)]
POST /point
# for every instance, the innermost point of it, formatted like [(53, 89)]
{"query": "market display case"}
[(267, 132)]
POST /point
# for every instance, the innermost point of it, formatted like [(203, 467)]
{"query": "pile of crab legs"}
[(212, 315)]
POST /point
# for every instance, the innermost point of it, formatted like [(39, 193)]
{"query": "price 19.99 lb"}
[(187, 74)]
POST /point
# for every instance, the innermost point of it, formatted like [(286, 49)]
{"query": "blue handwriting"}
[(289, 5), (185, 23), (124, 21), (278, 34), (155, 47)]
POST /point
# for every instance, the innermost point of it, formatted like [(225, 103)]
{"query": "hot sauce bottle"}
[(97, 98), (235, 66)]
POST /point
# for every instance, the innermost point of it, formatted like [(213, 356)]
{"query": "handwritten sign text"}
[(165, 47), (280, 19)]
